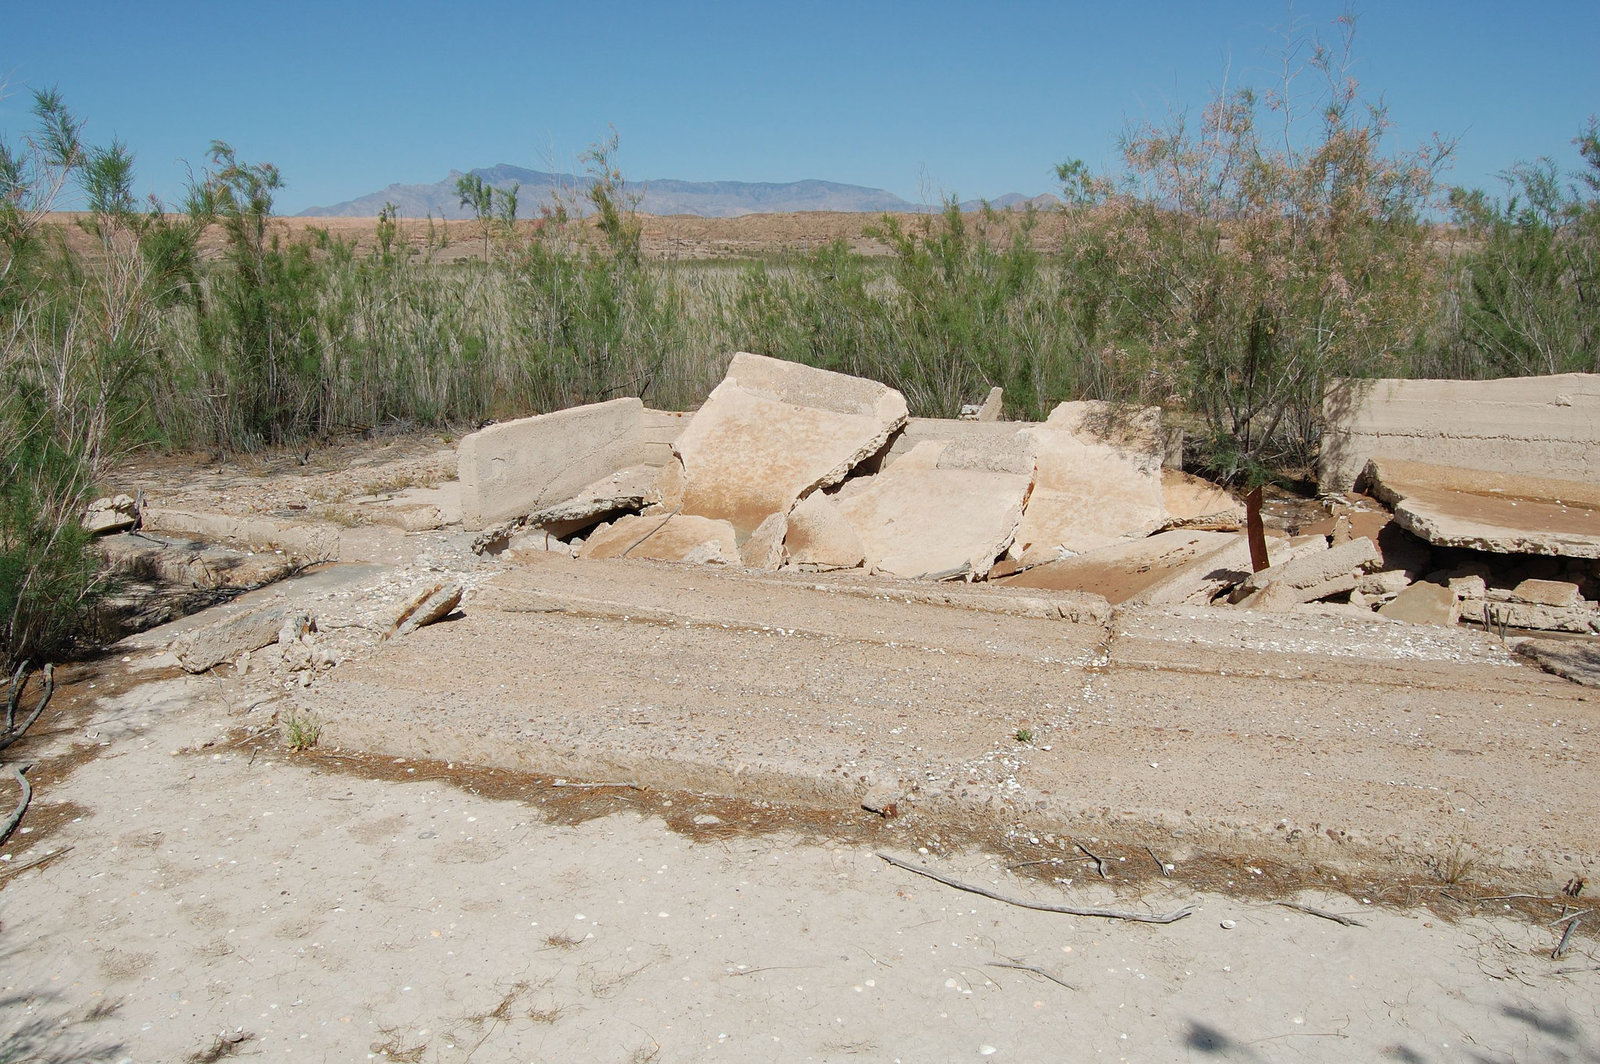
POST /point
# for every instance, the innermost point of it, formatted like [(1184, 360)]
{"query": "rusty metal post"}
[(1255, 531)]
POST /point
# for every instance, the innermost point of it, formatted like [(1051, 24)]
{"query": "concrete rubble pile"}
[(786, 467)]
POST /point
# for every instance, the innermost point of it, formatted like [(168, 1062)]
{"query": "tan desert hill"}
[(666, 237)]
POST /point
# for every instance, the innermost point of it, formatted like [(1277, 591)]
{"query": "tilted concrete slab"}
[(1086, 495), (1126, 427), (1543, 426), (773, 431), (625, 490), (676, 538), (1210, 574), (1123, 570), (933, 516), (820, 538), (1316, 574), (510, 469), (1186, 497), (1504, 514), (1424, 603)]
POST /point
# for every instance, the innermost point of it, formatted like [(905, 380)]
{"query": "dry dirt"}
[(611, 811)]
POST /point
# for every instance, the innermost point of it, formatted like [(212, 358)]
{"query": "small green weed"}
[(1025, 735), (301, 730)]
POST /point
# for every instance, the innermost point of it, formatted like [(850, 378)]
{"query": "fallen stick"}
[(1569, 916), (1068, 910), (1165, 871), (7, 873), (595, 786), (22, 803), (1099, 862), (1031, 968), (1347, 921)]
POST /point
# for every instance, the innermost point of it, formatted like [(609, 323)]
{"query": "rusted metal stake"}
[(1254, 529)]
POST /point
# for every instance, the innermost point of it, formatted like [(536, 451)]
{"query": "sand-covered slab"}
[(1505, 514), (1122, 570)]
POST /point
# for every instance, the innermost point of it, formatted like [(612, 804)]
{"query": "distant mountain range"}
[(706, 199)]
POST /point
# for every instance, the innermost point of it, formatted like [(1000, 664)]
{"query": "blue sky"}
[(921, 99)]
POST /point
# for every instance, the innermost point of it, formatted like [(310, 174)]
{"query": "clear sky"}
[(921, 99)]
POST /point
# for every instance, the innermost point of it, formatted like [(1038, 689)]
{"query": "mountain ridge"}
[(660, 196)]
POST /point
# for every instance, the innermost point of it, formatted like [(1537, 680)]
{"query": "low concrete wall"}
[(1540, 426), (510, 469)]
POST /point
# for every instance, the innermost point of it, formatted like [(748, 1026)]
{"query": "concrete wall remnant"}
[(1540, 426)]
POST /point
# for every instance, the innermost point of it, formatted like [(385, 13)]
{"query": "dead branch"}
[(1165, 871), (1569, 916), (7, 873), (1030, 968), (1068, 910), (27, 796), (13, 734), (1099, 862), (1347, 921)]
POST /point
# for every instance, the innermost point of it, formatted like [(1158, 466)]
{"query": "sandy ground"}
[(219, 898), (612, 811)]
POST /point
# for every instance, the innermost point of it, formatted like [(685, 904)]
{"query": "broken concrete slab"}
[(1138, 429), (820, 538), (1496, 611), (624, 491), (1424, 603), (1086, 495), (1188, 498), (1575, 660), (227, 640), (1560, 593), (919, 430), (773, 431), (116, 513), (675, 538), (1314, 574), (1211, 573), (1545, 426), (946, 510), (510, 469), (190, 564), (1122, 570), (764, 548), (428, 606), (1452, 507), (1363, 516), (993, 405), (309, 542)]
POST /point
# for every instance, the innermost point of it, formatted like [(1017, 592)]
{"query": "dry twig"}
[(7, 873), (1347, 921), (1069, 910), (1030, 968)]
